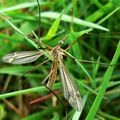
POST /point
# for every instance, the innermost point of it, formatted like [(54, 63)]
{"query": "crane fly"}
[(70, 91)]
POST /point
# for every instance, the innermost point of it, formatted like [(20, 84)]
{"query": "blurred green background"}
[(97, 45)]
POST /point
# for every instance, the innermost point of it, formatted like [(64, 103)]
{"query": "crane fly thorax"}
[(57, 53)]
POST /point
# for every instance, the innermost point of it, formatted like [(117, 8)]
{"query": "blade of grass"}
[(95, 70), (15, 69), (42, 113), (104, 85), (2, 112), (110, 14), (71, 37), (83, 68), (108, 116), (68, 18), (80, 83), (53, 28), (77, 114), (99, 13), (98, 4), (21, 6), (87, 73), (19, 31), (30, 90), (55, 116)]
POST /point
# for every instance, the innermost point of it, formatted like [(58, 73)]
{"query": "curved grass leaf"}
[(53, 28), (77, 21), (104, 85), (21, 6), (30, 90), (19, 31)]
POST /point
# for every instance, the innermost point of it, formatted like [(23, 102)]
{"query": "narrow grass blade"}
[(30, 90), (104, 85), (99, 13), (21, 6), (68, 18), (15, 70), (83, 68), (108, 116), (19, 31), (54, 28), (109, 15), (78, 114), (73, 37)]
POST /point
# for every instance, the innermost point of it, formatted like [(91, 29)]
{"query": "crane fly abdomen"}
[(53, 75)]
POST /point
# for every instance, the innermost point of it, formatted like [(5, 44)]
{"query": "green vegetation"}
[(93, 26)]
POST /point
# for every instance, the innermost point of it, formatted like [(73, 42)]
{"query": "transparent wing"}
[(22, 57), (71, 93)]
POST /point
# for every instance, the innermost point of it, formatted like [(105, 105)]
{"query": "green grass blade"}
[(19, 31), (83, 68), (99, 13), (30, 90), (104, 85), (68, 18), (71, 37), (86, 72), (21, 6), (52, 31), (77, 114), (108, 116), (109, 15)]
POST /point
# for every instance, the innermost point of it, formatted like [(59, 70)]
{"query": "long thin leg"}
[(87, 61), (32, 69), (47, 77), (38, 65)]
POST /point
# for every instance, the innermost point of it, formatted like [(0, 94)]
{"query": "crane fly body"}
[(69, 87), (70, 90)]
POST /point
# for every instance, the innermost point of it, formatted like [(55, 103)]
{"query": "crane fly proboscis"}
[(70, 91)]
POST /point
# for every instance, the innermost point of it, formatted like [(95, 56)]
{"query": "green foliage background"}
[(98, 84)]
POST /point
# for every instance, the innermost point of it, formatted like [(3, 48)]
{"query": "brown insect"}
[(71, 93)]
